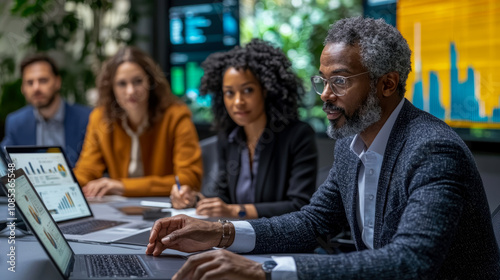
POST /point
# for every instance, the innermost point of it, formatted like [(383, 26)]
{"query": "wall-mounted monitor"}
[(197, 28), (456, 63)]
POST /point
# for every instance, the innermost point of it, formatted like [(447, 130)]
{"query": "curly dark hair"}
[(383, 48), (273, 71), (160, 96)]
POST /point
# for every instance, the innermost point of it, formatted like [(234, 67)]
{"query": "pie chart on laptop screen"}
[(62, 170), (35, 215), (50, 238)]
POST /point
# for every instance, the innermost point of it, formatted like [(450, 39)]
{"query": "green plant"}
[(72, 32)]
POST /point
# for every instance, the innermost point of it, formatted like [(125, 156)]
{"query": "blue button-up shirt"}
[(245, 187), (50, 132)]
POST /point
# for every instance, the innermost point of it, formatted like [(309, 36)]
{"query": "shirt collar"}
[(237, 135), (379, 144), (140, 128), (58, 116)]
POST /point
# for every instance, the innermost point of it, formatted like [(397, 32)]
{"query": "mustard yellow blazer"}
[(169, 147)]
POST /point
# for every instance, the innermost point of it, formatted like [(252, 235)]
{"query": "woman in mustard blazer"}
[(140, 133)]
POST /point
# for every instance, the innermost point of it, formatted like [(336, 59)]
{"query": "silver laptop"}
[(49, 172), (76, 266)]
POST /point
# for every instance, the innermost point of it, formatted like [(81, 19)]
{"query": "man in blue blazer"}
[(48, 120), (402, 180)]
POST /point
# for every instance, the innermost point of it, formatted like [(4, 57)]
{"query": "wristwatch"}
[(268, 267), (243, 212)]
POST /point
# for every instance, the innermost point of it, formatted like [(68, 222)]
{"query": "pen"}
[(178, 183)]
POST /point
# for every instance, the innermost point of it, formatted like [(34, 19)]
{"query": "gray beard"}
[(368, 114)]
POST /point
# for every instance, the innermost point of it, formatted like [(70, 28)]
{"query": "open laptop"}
[(76, 266), (3, 165), (3, 171), (49, 172)]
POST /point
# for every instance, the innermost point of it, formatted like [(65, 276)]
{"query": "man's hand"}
[(215, 207), (220, 264), (183, 233), (102, 186), (183, 198)]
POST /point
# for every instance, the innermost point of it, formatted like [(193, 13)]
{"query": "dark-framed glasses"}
[(338, 84)]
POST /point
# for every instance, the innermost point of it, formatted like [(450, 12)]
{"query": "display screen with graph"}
[(456, 62), (50, 175), (197, 29), (39, 220)]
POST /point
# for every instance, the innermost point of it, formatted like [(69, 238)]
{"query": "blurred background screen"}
[(455, 43), (197, 29), (456, 63)]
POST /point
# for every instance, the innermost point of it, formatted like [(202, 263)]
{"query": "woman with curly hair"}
[(139, 133), (267, 157)]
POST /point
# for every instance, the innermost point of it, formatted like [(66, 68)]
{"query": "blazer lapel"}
[(71, 132), (352, 201), (28, 134), (265, 154), (233, 168), (394, 146)]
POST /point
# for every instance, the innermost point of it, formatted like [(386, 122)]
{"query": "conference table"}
[(31, 261)]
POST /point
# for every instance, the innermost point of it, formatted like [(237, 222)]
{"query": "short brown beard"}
[(49, 102)]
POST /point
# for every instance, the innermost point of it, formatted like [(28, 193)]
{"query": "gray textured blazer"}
[(432, 219)]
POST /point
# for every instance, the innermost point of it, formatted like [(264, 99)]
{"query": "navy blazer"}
[(432, 219), (286, 175), (20, 129)]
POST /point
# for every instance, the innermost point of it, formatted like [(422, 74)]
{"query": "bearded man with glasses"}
[(402, 180)]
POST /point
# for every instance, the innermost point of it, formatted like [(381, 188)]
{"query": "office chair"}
[(495, 218), (210, 166)]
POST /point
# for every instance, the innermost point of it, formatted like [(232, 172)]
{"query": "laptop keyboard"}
[(115, 266), (88, 226)]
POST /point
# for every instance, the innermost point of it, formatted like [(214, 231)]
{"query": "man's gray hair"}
[(383, 49)]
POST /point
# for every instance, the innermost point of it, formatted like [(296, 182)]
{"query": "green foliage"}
[(12, 97), (51, 27), (299, 27)]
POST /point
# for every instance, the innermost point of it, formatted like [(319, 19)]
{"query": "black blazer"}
[(286, 174)]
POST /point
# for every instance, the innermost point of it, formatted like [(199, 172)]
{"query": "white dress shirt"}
[(135, 166), (369, 173), (372, 158)]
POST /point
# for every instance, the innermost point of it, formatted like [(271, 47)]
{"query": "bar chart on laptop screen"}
[(60, 202), (455, 61), (44, 169), (51, 178)]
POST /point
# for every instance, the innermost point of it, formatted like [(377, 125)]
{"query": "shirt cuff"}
[(285, 268), (244, 237)]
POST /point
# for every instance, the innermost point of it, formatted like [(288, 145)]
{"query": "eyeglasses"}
[(338, 84)]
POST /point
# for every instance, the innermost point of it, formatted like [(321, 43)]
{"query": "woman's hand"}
[(183, 198), (215, 207), (100, 187)]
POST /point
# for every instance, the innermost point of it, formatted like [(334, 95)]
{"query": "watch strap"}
[(268, 267), (243, 212)]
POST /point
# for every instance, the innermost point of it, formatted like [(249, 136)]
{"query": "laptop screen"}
[(39, 220), (49, 172)]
